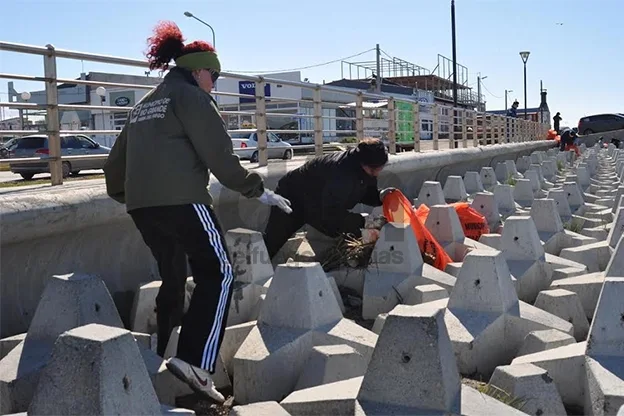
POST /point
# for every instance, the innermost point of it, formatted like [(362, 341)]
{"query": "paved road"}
[(425, 146)]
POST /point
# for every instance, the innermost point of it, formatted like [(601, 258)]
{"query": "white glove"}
[(370, 235), (271, 198)]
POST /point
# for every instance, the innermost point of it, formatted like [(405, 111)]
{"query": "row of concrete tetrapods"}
[(534, 308)]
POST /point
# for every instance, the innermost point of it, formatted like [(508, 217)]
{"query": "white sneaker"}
[(198, 379)]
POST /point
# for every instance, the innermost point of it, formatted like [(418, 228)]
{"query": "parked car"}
[(36, 145), (276, 148), (600, 123)]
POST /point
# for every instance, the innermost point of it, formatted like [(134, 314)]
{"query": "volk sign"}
[(249, 88)]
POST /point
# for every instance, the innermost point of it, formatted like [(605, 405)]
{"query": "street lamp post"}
[(189, 14), (507, 92), (101, 91), (525, 57), (24, 114)]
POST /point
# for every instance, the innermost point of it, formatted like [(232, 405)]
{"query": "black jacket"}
[(325, 188), (567, 139)]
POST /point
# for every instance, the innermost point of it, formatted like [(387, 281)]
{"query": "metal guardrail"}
[(457, 125)]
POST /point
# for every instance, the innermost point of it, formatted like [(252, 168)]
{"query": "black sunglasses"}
[(214, 74)]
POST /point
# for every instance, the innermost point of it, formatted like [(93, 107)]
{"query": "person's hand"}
[(370, 235), (271, 198), (385, 192), (373, 222)]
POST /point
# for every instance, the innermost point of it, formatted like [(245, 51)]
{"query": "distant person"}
[(557, 122), (513, 110), (160, 168), (568, 141), (615, 142)]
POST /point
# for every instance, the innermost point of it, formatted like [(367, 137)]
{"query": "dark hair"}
[(167, 43), (372, 152)]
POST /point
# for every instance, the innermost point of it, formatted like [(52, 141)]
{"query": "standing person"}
[(160, 167), (557, 122), (513, 110), (324, 189)]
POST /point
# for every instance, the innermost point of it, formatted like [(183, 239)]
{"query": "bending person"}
[(324, 189), (160, 167)]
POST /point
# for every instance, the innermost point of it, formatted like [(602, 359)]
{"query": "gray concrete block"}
[(250, 258), (503, 195), (259, 409), (606, 335), (604, 385), (8, 343), (533, 385), (233, 338), (523, 192), (563, 207), (431, 194), (396, 268), (617, 229), (488, 178), (70, 301), (414, 349), (106, 376), (543, 340), (426, 293), (586, 286), (485, 204), (595, 256), (454, 189), (472, 182), (67, 302), (484, 285), (300, 312), (331, 363), (143, 314), (492, 240), (566, 365), (316, 304), (567, 306)]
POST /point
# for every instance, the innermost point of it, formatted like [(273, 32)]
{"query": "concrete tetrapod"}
[(488, 178), (537, 341), (396, 268), (590, 374), (454, 189), (430, 194), (300, 312), (531, 383), (485, 204), (503, 195), (443, 222), (67, 302), (413, 355), (472, 182), (95, 370)]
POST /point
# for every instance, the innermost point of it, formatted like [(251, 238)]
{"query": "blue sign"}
[(249, 88)]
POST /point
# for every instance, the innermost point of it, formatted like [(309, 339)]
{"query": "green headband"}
[(199, 60)]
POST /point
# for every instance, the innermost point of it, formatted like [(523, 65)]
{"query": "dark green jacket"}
[(173, 139)]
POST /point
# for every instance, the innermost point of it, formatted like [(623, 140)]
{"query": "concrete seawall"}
[(77, 228)]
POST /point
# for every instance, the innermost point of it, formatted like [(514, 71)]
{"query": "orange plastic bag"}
[(397, 208), (473, 223)]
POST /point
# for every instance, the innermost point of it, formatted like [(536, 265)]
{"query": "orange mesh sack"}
[(397, 208), (473, 223)]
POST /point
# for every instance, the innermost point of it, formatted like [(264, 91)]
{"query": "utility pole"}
[(378, 50), (507, 92), (479, 92), (454, 53), (541, 107)]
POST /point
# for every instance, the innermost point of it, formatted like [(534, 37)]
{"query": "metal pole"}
[(525, 94), (454, 53), (478, 93), (378, 50), (210, 27), (505, 100), (53, 122)]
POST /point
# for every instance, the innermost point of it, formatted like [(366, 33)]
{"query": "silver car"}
[(276, 148), (36, 145)]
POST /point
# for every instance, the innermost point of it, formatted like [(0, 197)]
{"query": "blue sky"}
[(580, 61)]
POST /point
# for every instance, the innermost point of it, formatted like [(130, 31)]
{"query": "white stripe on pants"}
[(209, 357)]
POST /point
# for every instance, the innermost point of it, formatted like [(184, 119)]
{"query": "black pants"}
[(172, 233), (280, 227)]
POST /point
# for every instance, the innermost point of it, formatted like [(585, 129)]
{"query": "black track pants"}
[(173, 233)]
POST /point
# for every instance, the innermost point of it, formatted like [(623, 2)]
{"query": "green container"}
[(404, 122)]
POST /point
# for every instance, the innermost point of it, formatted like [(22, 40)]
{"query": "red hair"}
[(167, 43)]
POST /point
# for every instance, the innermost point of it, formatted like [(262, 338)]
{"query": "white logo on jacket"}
[(150, 110)]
